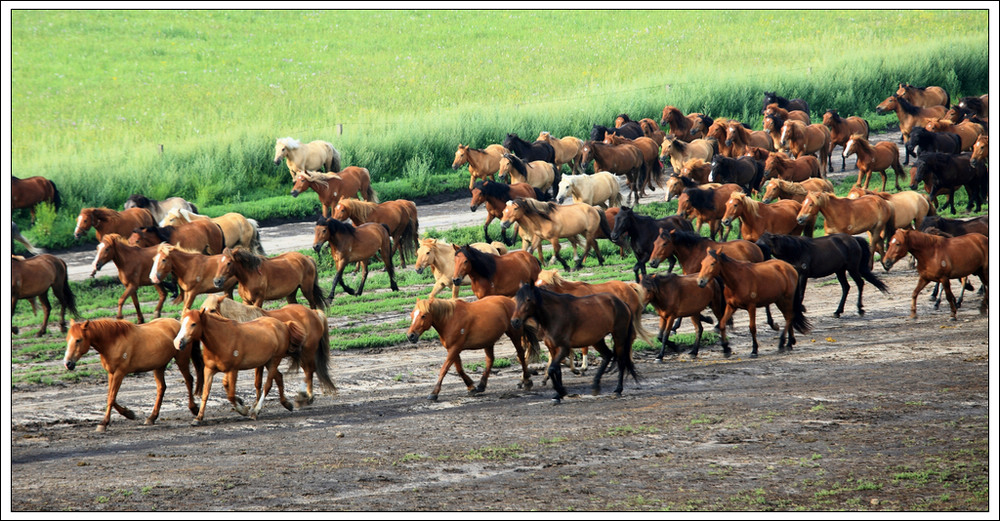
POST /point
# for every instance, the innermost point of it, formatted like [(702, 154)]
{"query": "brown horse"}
[(127, 348), (801, 139), (624, 160), (717, 130), (440, 256), (869, 213), (784, 114), (495, 196), (483, 162), (465, 325), (263, 278), (229, 346), (940, 259), (30, 278), (540, 174), (400, 216), (781, 189), (707, 205), (26, 193), (757, 218), (349, 245), (652, 131), (237, 230), (841, 130), (910, 116), (681, 126), (690, 249), (780, 166), (968, 131), (334, 186), (315, 352), (678, 296), (106, 220), (738, 138), (494, 274), (134, 264), (159, 209), (923, 96), (650, 155), (908, 207), (200, 236), (748, 285), (569, 151), (980, 151), (697, 169), (194, 272), (874, 158), (550, 221)]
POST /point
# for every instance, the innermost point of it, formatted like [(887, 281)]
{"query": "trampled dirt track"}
[(878, 412)]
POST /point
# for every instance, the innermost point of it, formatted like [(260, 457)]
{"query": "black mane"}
[(684, 238), (701, 199), (785, 247), (163, 233), (907, 107), (334, 226), (494, 190), (140, 201), (485, 264), (517, 163)]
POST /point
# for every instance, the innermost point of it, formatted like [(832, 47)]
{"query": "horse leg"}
[(770, 319), (860, 283), (844, 289), (258, 380), (448, 361), (183, 365), (279, 380), (364, 277), (555, 373), (752, 310), (231, 393), (338, 279), (555, 252), (663, 336), (951, 299), (205, 389), (114, 382), (486, 372), (602, 347), (921, 284), (46, 308), (584, 361), (161, 387), (698, 329), (159, 302), (722, 323)]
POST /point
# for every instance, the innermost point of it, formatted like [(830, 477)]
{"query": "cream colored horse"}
[(599, 189), (550, 221), (908, 207), (540, 174), (440, 256), (299, 157), (236, 229), (569, 151)]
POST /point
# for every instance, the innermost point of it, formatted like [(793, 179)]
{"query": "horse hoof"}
[(617, 394), (474, 391), (861, 312), (195, 423), (194, 410), (753, 355), (432, 397), (149, 421), (526, 385), (595, 391), (288, 405), (836, 314), (952, 319), (658, 360), (556, 401), (101, 428), (239, 400), (693, 356)]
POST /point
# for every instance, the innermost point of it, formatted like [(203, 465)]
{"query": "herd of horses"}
[(773, 181)]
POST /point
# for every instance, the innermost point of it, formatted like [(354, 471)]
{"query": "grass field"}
[(96, 93)]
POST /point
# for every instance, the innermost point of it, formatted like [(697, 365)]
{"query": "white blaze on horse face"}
[(784, 133), (79, 223), (155, 270), (416, 316), (847, 147), (185, 323)]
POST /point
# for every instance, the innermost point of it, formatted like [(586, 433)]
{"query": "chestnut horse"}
[(569, 322), (399, 215), (483, 162), (780, 166), (940, 259), (757, 218), (200, 236), (106, 220), (237, 230), (333, 186), (677, 296), (785, 103), (127, 348), (28, 192), (841, 130), (910, 116), (868, 213), (980, 151), (650, 152), (269, 278), (465, 325), (134, 264), (801, 139), (494, 274), (32, 277), (781, 189), (924, 96), (315, 355), (717, 131), (707, 206), (229, 346), (874, 158), (697, 169), (440, 256), (690, 248), (194, 272), (680, 125), (495, 196), (748, 285), (967, 131), (568, 151), (304, 157), (652, 131), (624, 160), (550, 221), (349, 245), (738, 138), (908, 207)]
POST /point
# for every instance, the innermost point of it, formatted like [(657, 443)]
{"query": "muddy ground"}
[(878, 412)]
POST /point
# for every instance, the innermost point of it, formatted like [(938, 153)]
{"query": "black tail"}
[(388, 261), (863, 266), (556, 178), (543, 196), (532, 350), (323, 361), (320, 300), (56, 198), (799, 320), (194, 208), (411, 235), (605, 227), (65, 296), (623, 356)]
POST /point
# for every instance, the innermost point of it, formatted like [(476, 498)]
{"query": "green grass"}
[(96, 93)]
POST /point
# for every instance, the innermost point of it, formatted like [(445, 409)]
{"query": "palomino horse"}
[(440, 256), (908, 207), (642, 231), (127, 348), (650, 155), (785, 103), (400, 216), (624, 160), (550, 221), (310, 156), (348, 245), (678, 152), (757, 218), (495, 196), (159, 209), (707, 206), (681, 126), (968, 131), (599, 189), (874, 158), (528, 152), (540, 174), (868, 213), (106, 220), (193, 270), (838, 254), (748, 285), (237, 230), (26, 193), (841, 130), (494, 274), (315, 352), (780, 166), (910, 116), (134, 264), (334, 186), (483, 162), (30, 278), (569, 322), (568, 151), (781, 189), (924, 96), (465, 325), (677, 296), (263, 278), (948, 172), (940, 259), (801, 139), (229, 346), (738, 138), (200, 236)]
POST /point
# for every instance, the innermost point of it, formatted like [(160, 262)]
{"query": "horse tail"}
[(387, 254), (56, 199), (623, 354), (66, 296), (317, 293), (556, 178), (715, 144), (863, 268), (194, 209), (644, 334), (322, 358), (799, 320), (411, 235), (296, 339), (543, 196), (370, 194), (255, 243), (532, 354), (616, 199), (930, 203), (605, 228)]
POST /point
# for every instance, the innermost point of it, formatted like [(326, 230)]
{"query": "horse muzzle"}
[(654, 263), (317, 248), (180, 344), (219, 281), (560, 200), (412, 337), (887, 263), (473, 207), (504, 225), (516, 323), (277, 161), (727, 222), (702, 282), (457, 281), (801, 219), (420, 270), (294, 193), (70, 364)]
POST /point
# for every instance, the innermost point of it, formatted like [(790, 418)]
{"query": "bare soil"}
[(873, 412)]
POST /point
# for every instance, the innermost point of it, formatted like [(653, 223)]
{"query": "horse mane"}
[(115, 238), (693, 163), (246, 258), (685, 238), (789, 187), (834, 116), (164, 233), (140, 200), (358, 208), (290, 142), (116, 328), (679, 144), (625, 118), (482, 263), (973, 103), (819, 198), (701, 199), (536, 207), (907, 107), (752, 206), (517, 163), (551, 277), (165, 249), (492, 189), (778, 120), (319, 177), (232, 309), (334, 226), (437, 308)]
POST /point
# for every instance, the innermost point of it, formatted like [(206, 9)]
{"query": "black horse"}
[(941, 171), (923, 140), (631, 130), (539, 150), (744, 171), (838, 254), (785, 103), (642, 232)]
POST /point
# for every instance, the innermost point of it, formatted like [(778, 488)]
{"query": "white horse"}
[(600, 189), (313, 156)]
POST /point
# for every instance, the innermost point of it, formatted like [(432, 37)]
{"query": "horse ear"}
[(85, 324), (713, 253), (455, 246)]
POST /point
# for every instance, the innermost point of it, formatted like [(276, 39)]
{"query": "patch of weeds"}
[(752, 499), (628, 430), (146, 490), (409, 457), (817, 408), (554, 439), (705, 419), (495, 453), (917, 403), (719, 470), (498, 363), (102, 499)]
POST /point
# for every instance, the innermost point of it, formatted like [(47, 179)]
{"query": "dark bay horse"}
[(494, 274), (495, 196), (32, 277), (399, 215), (349, 245), (785, 103), (28, 192), (677, 296), (630, 130), (949, 172), (642, 231), (744, 171), (528, 151), (569, 322), (624, 160), (922, 141)]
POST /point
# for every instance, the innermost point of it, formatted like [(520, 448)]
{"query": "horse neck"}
[(475, 158), (444, 261), (494, 205), (735, 274), (863, 150), (690, 255), (924, 246), (106, 338)]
